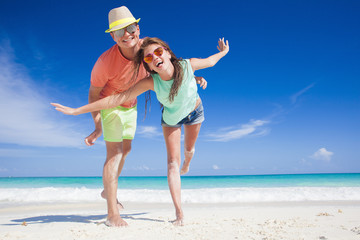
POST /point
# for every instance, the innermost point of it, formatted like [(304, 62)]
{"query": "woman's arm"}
[(110, 101), (199, 63)]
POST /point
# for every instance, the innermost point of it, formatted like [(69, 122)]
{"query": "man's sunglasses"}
[(130, 29)]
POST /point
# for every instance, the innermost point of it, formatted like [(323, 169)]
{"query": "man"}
[(113, 73)]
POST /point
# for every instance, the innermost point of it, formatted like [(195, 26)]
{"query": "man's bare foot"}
[(115, 221), (119, 205), (179, 221)]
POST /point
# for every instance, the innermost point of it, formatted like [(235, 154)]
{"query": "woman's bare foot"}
[(185, 168), (115, 221), (119, 205), (188, 156)]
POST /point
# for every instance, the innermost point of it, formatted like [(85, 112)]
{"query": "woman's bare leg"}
[(191, 135), (172, 139)]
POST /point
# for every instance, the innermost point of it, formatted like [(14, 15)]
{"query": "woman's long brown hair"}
[(178, 70)]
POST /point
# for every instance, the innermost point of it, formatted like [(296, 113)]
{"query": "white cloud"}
[(148, 131), (144, 168), (215, 167), (25, 109), (253, 128), (139, 168), (301, 92), (323, 155), (305, 162)]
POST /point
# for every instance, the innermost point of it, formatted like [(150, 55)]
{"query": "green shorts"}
[(118, 123)]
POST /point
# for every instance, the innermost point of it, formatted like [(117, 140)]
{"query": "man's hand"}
[(201, 81)]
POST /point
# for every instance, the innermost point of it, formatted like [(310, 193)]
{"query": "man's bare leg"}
[(126, 148), (110, 181), (119, 204)]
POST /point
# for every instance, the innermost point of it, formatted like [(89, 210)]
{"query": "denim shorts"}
[(195, 117)]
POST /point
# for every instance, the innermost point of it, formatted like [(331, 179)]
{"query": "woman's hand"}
[(223, 46), (64, 109)]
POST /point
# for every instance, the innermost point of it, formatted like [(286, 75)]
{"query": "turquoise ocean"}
[(195, 189)]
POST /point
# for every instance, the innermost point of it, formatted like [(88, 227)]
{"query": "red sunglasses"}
[(157, 52)]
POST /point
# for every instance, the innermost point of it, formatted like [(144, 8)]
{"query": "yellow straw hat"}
[(119, 18)]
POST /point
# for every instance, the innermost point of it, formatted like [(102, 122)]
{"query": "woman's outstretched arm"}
[(199, 63), (110, 101)]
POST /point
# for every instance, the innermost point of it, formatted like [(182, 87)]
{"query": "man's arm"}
[(94, 95)]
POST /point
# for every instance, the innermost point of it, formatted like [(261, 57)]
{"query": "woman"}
[(173, 81)]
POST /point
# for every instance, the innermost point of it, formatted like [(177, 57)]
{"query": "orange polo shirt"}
[(113, 72)]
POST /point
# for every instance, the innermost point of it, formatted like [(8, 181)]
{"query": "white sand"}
[(304, 220)]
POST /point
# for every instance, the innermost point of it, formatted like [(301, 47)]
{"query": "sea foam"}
[(204, 195)]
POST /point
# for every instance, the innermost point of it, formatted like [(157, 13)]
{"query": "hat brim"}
[(120, 26)]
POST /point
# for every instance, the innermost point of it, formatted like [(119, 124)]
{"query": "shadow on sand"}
[(97, 219)]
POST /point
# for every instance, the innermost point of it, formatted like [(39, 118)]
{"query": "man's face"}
[(127, 37)]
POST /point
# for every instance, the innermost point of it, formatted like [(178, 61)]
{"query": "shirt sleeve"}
[(99, 77)]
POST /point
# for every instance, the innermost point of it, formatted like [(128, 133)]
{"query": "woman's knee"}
[(173, 165), (189, 150)]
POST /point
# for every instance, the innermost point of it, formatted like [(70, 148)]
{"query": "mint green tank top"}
[(184, 102)]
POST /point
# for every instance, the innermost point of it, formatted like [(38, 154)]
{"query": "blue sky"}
[(286, 99)]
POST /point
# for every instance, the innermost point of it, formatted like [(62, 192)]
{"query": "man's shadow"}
[(97, 219)]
